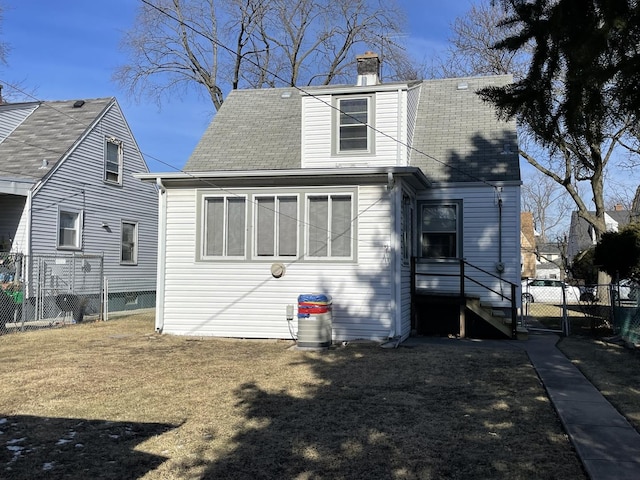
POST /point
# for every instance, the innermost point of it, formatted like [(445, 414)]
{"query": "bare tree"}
[(548, 204), (470, 51), (176, 45)]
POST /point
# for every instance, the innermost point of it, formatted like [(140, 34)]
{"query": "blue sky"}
[(68, 49)]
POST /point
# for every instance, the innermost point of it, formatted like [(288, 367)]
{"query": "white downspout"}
[(162, 248), (396, 276)]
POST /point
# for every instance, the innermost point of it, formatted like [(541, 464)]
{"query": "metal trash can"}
[(314, 321)]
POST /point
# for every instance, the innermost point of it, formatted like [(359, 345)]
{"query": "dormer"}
[(361, 125)]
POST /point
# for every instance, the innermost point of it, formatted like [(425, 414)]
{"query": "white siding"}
[(480, 240), (78, 184), (242, 299), (390, 125), (12, 116)]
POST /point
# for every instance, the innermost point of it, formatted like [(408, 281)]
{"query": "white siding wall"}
[(78, 184), (242, 299), (481, 239), (317, 129), (12, 116)]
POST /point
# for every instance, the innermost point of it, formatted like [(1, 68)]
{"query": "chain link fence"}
[(596, 310), (44, 291)]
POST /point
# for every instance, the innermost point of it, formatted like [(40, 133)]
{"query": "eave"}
[(413, 176)]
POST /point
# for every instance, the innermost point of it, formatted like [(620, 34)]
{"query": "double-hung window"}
[(129, 243), (353, 120), (329, 226), (225, 226), (113, 161), (276, 226), (439, 230), (69, 229)]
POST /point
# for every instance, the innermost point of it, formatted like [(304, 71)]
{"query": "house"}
[(527, 245), (550, 264), (582, 236), (335, 190), (71, 211)]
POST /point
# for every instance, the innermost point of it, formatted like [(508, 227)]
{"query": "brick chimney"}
[(368, 69), (618, 207)]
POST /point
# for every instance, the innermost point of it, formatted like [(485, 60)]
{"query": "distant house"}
[(70, 204), (582, 236), (527, 245), (549, 261), (342, 191)]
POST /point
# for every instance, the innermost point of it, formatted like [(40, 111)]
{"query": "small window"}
[(277, 226), (129, 245), (329, 226), (113, 161), (225, 227), (353, 130), (69, 229), (439, 231)]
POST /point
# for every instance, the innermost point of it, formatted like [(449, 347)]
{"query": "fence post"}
[(463, 302), (105, 298)]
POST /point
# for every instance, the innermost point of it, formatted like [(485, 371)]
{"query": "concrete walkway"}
[(607, 444)]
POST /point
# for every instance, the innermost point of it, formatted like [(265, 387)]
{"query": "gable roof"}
[(48, 132), (580, 231), (456, 137), (254, 130)]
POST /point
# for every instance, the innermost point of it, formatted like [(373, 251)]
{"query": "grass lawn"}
[(115, 400)]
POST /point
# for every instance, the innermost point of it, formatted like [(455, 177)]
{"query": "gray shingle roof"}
[(254, 130), (47, 134), (461, 136)]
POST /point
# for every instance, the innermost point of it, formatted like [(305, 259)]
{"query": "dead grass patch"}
[(115, 400)]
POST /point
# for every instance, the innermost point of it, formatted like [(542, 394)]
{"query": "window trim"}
[(352, 234), (202, 203), (134, 261), (254, 200), (120, 145), (459, 228), (250, 194), (369, 126), (79, 220)]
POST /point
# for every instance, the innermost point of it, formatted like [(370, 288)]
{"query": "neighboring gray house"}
[(68, 197), (336, 190), (582, 235)]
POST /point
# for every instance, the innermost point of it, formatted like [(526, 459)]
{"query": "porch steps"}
[(495, 318)]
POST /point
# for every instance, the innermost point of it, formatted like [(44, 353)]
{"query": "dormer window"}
[(354, 134), (113, 161)]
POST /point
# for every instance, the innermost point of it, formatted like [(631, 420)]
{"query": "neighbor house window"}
[(329, 226), (225, 226), (69, 229), (276, 232), (353, 117), (113, 161), (129, 245), (439, 230)]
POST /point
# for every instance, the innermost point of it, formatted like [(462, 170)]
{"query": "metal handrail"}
[(464, 276)]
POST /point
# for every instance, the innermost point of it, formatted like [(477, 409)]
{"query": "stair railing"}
[(464, 276)]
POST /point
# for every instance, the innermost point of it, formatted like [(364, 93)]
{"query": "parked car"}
[(549, 291), (625, 290)]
